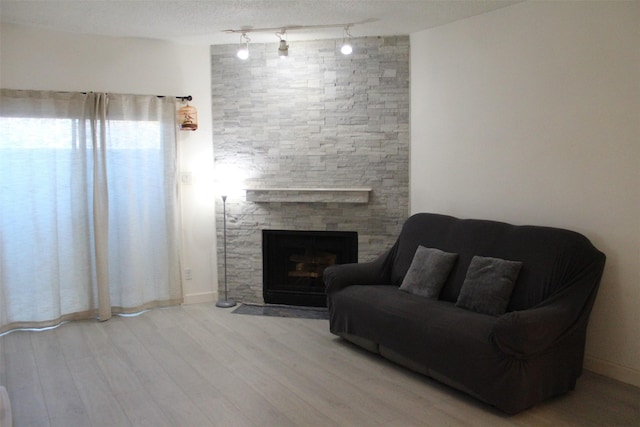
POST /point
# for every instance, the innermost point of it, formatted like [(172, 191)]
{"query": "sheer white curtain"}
[(88, 206)]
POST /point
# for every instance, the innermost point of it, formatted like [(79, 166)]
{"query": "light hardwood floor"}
[(199, 365)]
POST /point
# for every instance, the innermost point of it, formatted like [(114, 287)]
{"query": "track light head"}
[(243, 50), (283, 49), (346, 48), (243, 53)]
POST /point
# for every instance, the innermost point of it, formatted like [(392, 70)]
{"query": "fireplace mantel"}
[(308, 195)]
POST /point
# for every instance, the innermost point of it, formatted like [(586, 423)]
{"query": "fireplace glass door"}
[(294, 261)]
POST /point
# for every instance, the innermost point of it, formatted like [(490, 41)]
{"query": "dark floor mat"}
[(283, 311)]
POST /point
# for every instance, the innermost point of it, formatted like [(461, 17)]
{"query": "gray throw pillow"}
[(488, 285), (428, 272)]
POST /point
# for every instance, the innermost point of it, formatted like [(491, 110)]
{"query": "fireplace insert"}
[(293, 263)]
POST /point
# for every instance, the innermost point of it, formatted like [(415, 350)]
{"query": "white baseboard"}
[(200, 297), (612, 370)]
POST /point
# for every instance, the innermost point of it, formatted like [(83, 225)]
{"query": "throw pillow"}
[(488, 285), (428, 272)]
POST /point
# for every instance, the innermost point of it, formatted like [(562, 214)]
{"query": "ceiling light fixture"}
[(346, 48), (283, 47), (243, 50)]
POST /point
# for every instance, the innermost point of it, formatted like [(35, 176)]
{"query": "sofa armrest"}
[(377, 272), (528, 332)]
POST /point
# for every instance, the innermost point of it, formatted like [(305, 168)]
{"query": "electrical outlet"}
[(186, 178), (188, 274)]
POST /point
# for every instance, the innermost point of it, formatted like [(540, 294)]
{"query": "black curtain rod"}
[(181, 98)]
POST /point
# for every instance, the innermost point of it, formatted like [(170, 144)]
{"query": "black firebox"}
[(293, 263)]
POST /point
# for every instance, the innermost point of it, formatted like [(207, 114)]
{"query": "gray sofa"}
[(510, 353)]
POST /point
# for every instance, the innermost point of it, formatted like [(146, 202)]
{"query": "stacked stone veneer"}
[(318, 119)]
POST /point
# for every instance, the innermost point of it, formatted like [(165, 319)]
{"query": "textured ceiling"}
[(204, 22)]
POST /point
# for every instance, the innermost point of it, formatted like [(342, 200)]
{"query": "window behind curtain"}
[(47, 220)]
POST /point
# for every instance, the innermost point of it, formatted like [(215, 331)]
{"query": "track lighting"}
[(283, 47), (346, 48), (243, 51)]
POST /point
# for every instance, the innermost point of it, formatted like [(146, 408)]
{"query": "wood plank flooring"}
[(199, 365)]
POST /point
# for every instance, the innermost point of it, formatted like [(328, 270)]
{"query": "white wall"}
[(38, 59), (531, 115)]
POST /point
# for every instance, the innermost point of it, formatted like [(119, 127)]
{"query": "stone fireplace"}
[(323, 141)]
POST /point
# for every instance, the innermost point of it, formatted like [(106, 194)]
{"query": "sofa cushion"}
[(421, 329), (428, 272), (488, 285)]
